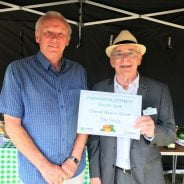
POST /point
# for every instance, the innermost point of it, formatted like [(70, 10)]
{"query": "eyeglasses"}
[(129, 54)]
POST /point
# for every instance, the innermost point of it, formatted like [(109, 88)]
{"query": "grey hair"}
[(53, 14)]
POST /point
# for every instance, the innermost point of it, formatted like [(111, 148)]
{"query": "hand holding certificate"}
[(109, 114)]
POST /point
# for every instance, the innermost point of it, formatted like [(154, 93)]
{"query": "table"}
[(178, 151), (9, 165)]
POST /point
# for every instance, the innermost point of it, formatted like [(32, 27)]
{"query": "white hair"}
[(50, 14)]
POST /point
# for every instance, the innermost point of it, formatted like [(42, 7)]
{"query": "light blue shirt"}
[(47, 102), (123, 144)]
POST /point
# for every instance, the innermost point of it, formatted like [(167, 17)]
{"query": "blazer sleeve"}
[(93, 147), (165, 132)]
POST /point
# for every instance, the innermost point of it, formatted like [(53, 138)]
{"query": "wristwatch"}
[(74, 159)]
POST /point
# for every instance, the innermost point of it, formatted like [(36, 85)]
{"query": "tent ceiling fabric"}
[(121, 10)]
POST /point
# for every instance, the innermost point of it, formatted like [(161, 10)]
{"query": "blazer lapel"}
[(142, 90), (110, 85)]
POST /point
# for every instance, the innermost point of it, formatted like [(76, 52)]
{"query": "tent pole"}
[(80, 24)]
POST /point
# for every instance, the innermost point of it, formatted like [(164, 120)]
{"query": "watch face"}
[(75, 160)]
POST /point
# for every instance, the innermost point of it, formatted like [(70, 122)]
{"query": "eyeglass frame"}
[(122, 54)]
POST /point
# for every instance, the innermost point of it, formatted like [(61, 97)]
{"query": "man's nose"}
[(54, 36), (125, 58)]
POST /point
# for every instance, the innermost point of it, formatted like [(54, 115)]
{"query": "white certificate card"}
[(109, 114)]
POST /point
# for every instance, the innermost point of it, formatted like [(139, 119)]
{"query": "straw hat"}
[(125, 37)]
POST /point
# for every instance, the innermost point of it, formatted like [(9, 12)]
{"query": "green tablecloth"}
[(9, 166)]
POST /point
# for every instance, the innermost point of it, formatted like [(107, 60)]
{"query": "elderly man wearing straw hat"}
[(115, 160)]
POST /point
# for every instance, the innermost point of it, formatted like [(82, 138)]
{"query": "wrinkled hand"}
[(51, 173), (68, 168), (95, 181), (146, 126)]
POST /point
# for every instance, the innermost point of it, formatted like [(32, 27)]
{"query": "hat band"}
[(124, 42)]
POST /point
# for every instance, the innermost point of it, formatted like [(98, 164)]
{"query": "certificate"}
[(109, 114)]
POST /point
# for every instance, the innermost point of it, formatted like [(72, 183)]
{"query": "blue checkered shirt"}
[(47, 102)]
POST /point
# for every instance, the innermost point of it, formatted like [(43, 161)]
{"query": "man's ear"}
[(139, 60), (112, 62), (36, 36), (68, 41)]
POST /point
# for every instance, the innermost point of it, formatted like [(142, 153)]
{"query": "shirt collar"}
[(45, 62), (133, 83)]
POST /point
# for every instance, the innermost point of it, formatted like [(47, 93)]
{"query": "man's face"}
[(125, 59), (52, 36)]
